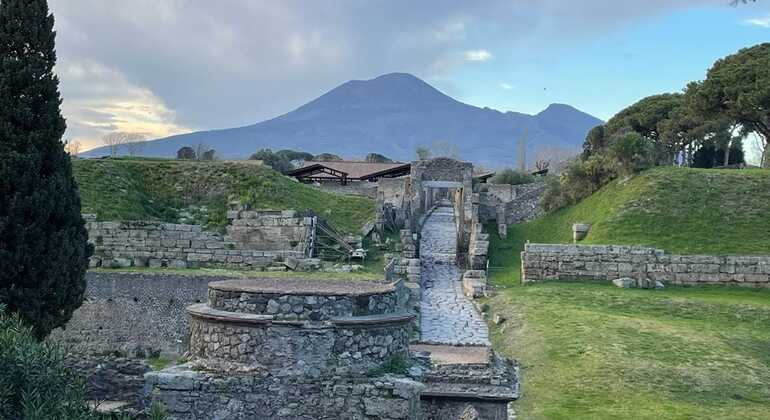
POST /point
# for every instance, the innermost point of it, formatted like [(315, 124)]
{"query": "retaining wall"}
[(607, 262), (254, 239), (189, 394), (514, 203), (136, 314)]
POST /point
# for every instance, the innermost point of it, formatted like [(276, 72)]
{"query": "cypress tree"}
[(43, 241)]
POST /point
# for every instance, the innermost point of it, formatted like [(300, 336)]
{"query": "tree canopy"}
[(44, 248), (738, 87)]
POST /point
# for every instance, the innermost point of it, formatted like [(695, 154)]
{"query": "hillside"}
[(198, 192), (392, 115), (688, 211)]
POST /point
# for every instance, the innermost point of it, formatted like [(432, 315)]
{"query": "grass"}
[(245, 274), (681, 210), (396, 365), (594, 351), (160, 362), (198, 192)]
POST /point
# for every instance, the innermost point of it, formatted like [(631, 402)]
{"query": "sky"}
[(166, 67)]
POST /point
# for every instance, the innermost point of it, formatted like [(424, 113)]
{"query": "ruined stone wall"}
[(394, 190), (293, 307), (291, 349), (514, 203), (254, 240), (607, 262), (202, 395), (135, 314)]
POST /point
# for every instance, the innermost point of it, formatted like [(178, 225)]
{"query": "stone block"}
[(177, 264)]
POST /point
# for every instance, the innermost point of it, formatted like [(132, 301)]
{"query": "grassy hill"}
[(594, 351), (198, 192), (681, 210)]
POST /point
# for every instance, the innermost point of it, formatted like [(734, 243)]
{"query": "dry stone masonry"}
[(254, 240), (609, 262)]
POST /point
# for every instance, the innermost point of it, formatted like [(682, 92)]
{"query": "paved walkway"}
[(447, 316)]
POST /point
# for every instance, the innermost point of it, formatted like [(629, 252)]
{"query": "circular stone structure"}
[(301, 299), (298, 326)]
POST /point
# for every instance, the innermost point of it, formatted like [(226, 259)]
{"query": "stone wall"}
[(255, 239), (190, 394), (393, 190), (298, 348), (134, 314), (609, 262), (270, 230), (514, 203), (282, 306), (470, 391)]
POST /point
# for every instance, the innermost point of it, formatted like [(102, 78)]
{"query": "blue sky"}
[(604, 73), (166, 67)]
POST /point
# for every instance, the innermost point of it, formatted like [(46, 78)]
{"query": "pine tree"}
[(43, 241)]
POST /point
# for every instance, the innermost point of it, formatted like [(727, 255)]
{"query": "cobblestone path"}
[(447, 316)]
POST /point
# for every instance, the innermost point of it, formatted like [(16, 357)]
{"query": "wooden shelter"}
[(344, 171)]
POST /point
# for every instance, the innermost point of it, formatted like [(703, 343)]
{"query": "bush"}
[(632, 152), (34, 383), (579, 179), (553, 197), (279, 162), (512, 177)]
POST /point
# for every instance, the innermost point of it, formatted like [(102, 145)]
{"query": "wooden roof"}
[(354, 170)]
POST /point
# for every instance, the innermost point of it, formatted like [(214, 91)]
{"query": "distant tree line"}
[(201, 151), (704, 126), (287, 160)]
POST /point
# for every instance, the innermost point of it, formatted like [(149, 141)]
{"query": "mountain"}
[(392, 115)]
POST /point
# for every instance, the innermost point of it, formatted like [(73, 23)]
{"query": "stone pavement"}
[(447, 316)]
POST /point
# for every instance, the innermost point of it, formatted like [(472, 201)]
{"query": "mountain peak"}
[(564, 111), (398, 77), (387, 90)]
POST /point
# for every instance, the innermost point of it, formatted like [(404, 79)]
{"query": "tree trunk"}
[(764, 139), (727, 153)]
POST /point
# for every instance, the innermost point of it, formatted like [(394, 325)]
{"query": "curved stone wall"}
[(296, 299), (340, 345)]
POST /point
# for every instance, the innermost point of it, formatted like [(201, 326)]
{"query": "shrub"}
[(34, 383), (185, 153), (512, 177), (632, 152), (396, 365), (278, 162), (553, 197)]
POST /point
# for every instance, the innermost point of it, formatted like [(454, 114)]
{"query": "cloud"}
[(477, 55), (506, 86), (763, 22), (230, 63), (99, 99)]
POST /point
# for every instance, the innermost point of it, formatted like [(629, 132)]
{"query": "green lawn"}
[(594, 351), (198, 192)]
